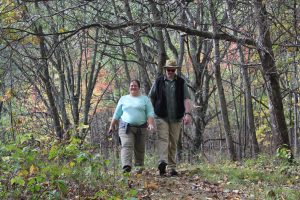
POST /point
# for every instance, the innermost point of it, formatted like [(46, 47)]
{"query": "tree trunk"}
[(199, 51), (222, 99), (138, 48), (46, 80), (123, 54), (73, 81), (247, 87), (296, 105), (270, 74)]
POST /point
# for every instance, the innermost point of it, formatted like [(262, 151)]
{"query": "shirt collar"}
[(165, 77)]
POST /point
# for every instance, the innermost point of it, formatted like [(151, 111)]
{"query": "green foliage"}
[(54, 173), (17, 180), (264, 177), (70, 169), (260, 133), (285, 153)]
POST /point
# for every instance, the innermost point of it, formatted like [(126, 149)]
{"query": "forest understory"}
[(262, 178)]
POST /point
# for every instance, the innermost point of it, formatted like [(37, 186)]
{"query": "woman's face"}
[(134, 88)]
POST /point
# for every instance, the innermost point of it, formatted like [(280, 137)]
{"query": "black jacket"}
[(160, 102)]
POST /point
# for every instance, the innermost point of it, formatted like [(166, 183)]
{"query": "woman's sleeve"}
[(118, 112), (149, 108)]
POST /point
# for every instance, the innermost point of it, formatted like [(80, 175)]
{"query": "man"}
[(171, 102)]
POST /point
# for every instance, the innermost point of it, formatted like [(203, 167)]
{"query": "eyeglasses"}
[(171, 70)]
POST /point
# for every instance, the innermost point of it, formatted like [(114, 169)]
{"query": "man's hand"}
[(187, 119)]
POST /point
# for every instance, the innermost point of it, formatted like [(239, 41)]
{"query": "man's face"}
[(170, 72)]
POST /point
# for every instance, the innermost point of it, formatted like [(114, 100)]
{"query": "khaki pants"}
[(168, 135), (133, 142)]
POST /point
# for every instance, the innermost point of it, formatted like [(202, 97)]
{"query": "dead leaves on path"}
[(185, 186), (151, 185)]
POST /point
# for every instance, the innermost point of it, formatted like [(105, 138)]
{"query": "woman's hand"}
[(151, 128), (112, 125)]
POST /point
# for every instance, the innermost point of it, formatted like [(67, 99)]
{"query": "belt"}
[(138, 126)]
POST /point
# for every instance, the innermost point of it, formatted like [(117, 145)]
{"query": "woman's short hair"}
[(137, 81)]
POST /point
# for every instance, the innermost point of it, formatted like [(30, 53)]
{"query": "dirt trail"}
[(186, 186)]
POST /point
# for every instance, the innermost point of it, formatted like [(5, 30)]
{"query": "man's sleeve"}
[(186, 91), (152, 91)]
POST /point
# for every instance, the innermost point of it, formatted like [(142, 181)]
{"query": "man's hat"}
[(171, 64)]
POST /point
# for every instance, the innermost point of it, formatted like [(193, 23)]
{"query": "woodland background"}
[(65, 64)]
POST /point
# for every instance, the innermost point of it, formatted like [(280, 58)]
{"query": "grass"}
[(262, 178)]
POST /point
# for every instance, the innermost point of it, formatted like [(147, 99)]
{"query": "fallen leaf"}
[(33, 169), (151, 185)]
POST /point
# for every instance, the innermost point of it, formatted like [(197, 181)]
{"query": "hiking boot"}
[(126, 169), (162, 168), (139, 170), (173, 172)]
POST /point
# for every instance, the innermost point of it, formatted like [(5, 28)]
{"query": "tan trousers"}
[(133, 142), (168, 135)]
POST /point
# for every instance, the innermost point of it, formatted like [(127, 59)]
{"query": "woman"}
[(134, 112)]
